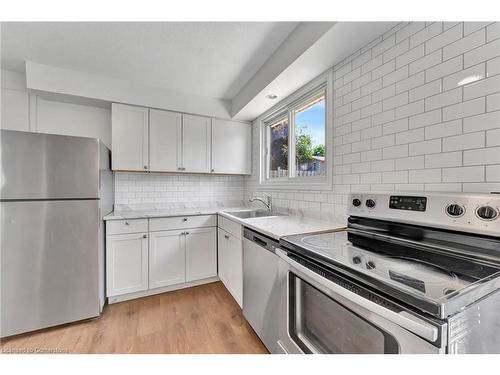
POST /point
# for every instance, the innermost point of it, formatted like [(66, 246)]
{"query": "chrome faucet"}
[(268, 204)]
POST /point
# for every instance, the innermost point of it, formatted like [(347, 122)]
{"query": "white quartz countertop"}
[(272, 226)]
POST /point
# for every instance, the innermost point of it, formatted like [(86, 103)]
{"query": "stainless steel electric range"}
[(414, 273)]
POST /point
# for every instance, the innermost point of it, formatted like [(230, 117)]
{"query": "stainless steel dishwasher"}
[(261, 297)]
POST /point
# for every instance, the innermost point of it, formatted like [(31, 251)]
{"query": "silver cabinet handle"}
[(127, 223), (226, 236), (185, 219), (144, 236), (212, 170), (179, 168), (187, 233), (145, 167)]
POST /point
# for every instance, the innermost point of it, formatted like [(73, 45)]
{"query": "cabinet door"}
[(164, 141), (201, 254), (167, 258), (231, 264), (231, 147), (126, 263), (129, 129), (196, 143)]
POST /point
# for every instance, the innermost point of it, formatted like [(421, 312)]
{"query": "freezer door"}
[(49, 264), (47, 166)]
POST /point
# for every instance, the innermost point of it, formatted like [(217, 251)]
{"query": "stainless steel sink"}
[(253, 214)]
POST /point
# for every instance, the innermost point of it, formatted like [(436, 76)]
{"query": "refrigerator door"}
[(49, 264), (47, 166)]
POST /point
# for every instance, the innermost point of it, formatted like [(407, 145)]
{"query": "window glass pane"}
[(310, 138), (278, 149)]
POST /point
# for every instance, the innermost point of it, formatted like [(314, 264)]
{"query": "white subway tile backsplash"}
[(425, 147), (444, 69), (493, 32), (425, 62), (414, 135), (482, 88), (444, 129), (443, 99), (424, 175), (444, 159), (441, 40), (425, 91), (475, 72), (490, 155), (483, 53), (464, 142), (426, 34), (463, 174), (490, 120), (400, 151), (464, 109), (493, 102), (493, 137), (416, 109), (465, 44), (424, 119), (493, 173)]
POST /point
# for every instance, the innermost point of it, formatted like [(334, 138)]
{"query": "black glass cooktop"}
[(429, 280)]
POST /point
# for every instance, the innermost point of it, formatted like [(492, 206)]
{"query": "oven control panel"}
[(470, 212), (410, 203)]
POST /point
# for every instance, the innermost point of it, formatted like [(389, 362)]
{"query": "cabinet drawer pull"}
[(127, 223), (187, 233), (145, 167), (144, 236), (226, 236), (185, 219)]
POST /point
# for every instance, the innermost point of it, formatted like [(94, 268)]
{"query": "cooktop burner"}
[(424, 275)]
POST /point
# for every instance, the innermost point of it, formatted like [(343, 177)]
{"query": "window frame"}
[(286, 107)]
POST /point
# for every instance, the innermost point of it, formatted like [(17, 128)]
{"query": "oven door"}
[(324, 317)]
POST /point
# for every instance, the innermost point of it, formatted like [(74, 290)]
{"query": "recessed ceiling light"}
[(272, 96)]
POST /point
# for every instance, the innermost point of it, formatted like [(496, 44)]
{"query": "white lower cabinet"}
[(126, 263), (170, 255), (201, 253), (230, 251), (167, 258)]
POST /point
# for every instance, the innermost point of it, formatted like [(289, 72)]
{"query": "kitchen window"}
[(294, 141)]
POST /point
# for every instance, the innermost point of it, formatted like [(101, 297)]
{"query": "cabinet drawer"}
[(126, 226), (230, 226), (182, 222)]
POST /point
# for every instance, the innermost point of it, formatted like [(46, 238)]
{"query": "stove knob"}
[(487, 213), (455, 210), (356, 260), (356, 202), (370, 264), (370, 203)]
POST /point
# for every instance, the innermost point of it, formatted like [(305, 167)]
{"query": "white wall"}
[(402, 122), (21, 110)]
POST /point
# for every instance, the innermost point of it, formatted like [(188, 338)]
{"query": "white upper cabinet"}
[(196, 143), (130, 138), (165, 135), (231, 147)]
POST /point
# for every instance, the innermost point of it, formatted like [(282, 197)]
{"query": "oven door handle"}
[(403, 319)]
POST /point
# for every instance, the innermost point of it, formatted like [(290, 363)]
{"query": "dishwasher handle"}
[(260, 239)]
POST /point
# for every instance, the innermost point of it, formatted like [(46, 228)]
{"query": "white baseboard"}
[(150, 292)]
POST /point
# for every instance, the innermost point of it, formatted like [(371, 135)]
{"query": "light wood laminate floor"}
[(202, 319)]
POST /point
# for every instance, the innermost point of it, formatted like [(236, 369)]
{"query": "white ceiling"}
[(213, 59)]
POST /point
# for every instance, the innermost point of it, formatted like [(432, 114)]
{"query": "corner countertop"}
[(272, 226)]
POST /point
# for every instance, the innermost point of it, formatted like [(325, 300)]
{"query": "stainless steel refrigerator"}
[(55, 190)]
